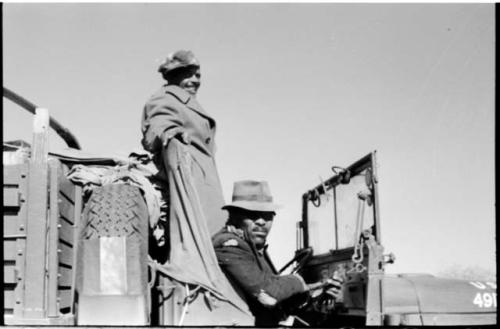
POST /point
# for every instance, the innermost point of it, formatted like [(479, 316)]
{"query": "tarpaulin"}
[(192, 257)]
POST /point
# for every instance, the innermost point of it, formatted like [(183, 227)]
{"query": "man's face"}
[(256, 223), (188, 78)]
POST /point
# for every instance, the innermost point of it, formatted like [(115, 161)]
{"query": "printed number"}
[(485, 299)]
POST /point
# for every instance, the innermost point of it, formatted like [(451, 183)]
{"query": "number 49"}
[(485, 299)]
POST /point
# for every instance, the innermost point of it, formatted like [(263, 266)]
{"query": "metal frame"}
[(62, 131), (368, 161), (374, 305)]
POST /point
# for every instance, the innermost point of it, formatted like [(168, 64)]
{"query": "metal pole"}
[(62, 131)]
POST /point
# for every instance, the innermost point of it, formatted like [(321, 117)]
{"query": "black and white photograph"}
[(268, 164)]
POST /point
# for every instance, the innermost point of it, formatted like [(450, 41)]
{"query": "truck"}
[(80, 248)]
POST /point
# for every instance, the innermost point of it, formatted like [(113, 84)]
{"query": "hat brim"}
[(253, 206), (168, 69)]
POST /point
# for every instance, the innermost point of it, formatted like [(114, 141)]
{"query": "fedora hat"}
[(179, 59), (252, 195)]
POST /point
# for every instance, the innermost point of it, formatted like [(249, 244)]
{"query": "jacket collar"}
[(187, 99), (263, 252), (182, 95)]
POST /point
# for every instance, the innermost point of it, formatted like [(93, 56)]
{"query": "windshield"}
[(338, 217)]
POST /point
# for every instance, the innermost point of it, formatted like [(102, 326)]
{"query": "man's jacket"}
[(171, 111), (253, 275)]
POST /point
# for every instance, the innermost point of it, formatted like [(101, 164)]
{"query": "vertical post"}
[(76, 235), (34, 284), (335, 216), (374, 300), (375, 201), (375, 293), (305, 220), (52, 307)]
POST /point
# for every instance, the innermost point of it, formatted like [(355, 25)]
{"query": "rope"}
[(357, 255), (15, 146), (185, 305)]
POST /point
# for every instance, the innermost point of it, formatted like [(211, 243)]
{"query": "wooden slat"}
[(12, 173), (10, 225), (9, 250), (66, 277), (11, 197), (65, 298), (66, 232), (66, 255), (8, 298), (9, 274), (53, 239), (67, 188), (67, 210), (36, 247)]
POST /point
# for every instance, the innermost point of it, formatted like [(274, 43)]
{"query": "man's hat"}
[(252, 195), (181, 58)]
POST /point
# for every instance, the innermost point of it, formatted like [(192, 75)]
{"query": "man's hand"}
[(184, 137), (330, 286), (326, 293), (178, 133), (333, 287)]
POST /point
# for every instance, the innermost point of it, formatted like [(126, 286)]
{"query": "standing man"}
[(180, 134), (241, 251), (173, 113)]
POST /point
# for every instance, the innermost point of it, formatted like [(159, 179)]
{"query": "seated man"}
[(241, 252)]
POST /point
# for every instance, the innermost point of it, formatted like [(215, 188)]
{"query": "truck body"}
[(78, 257)]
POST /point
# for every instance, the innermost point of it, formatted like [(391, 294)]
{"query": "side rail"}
[(41, 215)]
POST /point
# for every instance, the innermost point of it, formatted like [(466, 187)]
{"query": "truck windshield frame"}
[(331, 211)]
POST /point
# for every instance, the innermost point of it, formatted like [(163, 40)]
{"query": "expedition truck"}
[(77, 253)]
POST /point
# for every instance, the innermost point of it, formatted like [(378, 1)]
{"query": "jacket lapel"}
[(191, 102), (253, 248), (268, 260)]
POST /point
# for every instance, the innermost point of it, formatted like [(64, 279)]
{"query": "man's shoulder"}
[(229, 238), (176, 92), (170, 95)]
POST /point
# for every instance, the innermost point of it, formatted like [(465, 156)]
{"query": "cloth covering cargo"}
[(192, 259)]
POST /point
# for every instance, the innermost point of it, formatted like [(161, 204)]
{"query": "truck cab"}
[(340, 230)]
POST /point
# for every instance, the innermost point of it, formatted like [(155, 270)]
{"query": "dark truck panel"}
[(14, 236), (41, 214), (427, 300), (61, 215)]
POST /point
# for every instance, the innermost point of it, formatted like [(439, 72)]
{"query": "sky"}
[(295, 89)]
